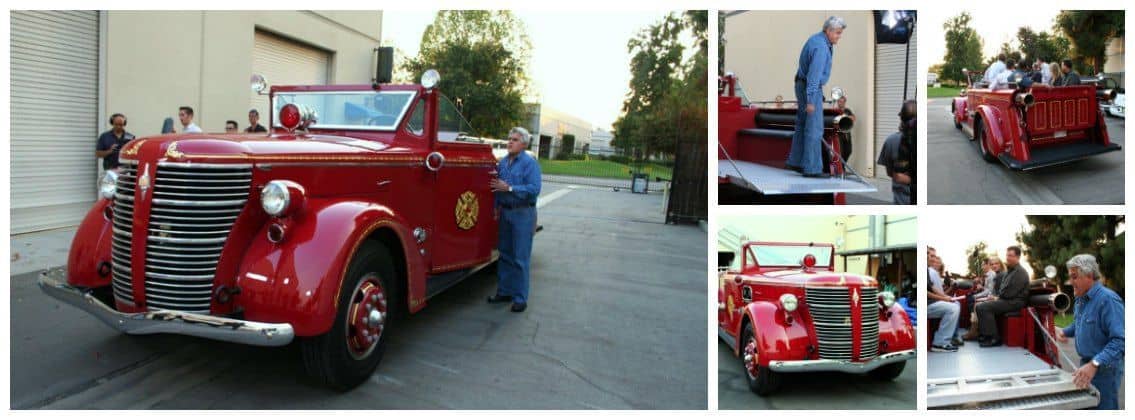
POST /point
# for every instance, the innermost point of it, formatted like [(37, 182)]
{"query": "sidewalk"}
[(882, 196), (38, 251)]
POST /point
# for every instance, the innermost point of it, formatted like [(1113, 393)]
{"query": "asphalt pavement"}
[(616, 320), (958, 175), (814, 391)]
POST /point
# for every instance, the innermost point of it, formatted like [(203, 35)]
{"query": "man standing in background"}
[(111, 142)]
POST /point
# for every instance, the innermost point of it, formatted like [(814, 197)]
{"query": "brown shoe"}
[(972, 333)]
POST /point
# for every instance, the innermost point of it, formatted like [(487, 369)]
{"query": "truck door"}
[(465, 229)]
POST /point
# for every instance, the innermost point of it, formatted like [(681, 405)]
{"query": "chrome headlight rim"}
[(886, 299), (275, 198), (108, 185), (788, 302)]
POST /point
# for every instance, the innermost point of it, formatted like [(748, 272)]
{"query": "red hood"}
[(228, 147)]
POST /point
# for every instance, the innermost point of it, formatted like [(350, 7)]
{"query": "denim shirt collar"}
[(1093, 292)]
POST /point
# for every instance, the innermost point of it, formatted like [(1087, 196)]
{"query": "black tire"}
[(887, 372), (765, 381), (979, 135), (328, 358)]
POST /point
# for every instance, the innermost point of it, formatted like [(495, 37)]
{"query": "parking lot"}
[(814, 391), (616, 321), (958, 175)]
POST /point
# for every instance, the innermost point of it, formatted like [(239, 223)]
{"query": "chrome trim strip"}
[(167, 164), (186, 203), (177, 277), (839, 365), (161, 240)]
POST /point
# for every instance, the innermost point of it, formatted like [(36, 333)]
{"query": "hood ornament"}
[(144, 181)]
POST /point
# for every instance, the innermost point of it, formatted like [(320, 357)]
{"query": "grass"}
[(942, 92), (1063, 320), (599, 169)]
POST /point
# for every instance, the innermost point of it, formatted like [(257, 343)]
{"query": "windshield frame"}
[(821, 263), (318, 126)]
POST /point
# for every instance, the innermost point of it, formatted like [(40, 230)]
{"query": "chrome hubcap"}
[(751, 358), (366, 316)]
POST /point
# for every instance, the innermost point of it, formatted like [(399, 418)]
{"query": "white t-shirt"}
[(936, 282), (1002, 80), (192, 128), (994, 69), (1045, 74)]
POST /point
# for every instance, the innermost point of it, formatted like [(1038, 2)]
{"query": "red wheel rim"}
[(752, 361), (366, 316)]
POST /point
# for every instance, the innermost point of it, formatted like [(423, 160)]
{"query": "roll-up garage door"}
[(286, 62), (54, 113), (890, 61)]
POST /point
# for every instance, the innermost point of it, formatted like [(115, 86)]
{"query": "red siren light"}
[(809, 261), (290, 116)]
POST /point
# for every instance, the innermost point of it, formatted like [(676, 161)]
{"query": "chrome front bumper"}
[(840, 366), (54, 284)]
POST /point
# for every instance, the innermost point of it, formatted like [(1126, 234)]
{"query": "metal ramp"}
[(1001, 378), (776, 181)]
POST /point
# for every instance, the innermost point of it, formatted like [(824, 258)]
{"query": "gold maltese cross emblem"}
[(466, 210), (855, 297), (144, 181)]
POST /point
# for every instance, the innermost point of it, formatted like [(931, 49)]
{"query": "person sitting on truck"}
[(1001, 81), (515, 191), (994, 69), (941, 306), (1057, 74), (1071, 78), (1012, 294), (994, 269), (1098, 330)]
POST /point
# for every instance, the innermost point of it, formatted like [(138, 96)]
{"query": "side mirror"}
[(1050, 272), (837, 92), (384, 65), (259, 84)]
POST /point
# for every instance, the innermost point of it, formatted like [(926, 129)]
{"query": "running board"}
[(729, 340), (776, 181), (437, 283), (1037, 390)]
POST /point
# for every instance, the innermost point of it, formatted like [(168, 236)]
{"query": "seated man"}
[(1001, 81), (1012, 294), (944, 307)]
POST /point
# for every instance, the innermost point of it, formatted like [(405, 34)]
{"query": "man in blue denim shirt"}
[(515, 191), (1098, 330), (811, 74)]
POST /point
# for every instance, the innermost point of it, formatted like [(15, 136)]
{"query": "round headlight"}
[(274, 198), (788, 302), (887, 299), (108, 184), (430, 78)]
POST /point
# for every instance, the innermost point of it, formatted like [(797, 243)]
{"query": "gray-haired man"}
[(515, 191), (814, 68), (1098, 330)]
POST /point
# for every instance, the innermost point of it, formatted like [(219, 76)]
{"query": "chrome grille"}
[(869, 314), (831, 314), (193, 209), (122, 222)]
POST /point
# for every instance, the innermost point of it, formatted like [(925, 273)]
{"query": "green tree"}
[(1089, 32), (963, 48), (1009, 52), (481, 56), (656, 69), (976, 255), (1055, 239), (1042, 45)]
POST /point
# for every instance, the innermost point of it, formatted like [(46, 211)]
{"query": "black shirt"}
[(256, 129), (106, 141)]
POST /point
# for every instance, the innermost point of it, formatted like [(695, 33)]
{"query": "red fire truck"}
[(359, 205), (753, 142), (1027, 372), (782, 309), (1030, 126)]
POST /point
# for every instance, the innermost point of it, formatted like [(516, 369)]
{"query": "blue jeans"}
[(806, 148), (948, 325), (515, 230), (1107, 381)]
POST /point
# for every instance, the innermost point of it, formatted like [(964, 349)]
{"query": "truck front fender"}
[(992, 120), (896, 331), (91, 248), (777, 339), (298, 280), (959, 110)]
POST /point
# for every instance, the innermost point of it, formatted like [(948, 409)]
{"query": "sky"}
[(994, 27), (580, 64), (951, 237)]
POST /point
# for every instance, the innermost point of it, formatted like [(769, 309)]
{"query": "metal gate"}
[(689, 200)]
